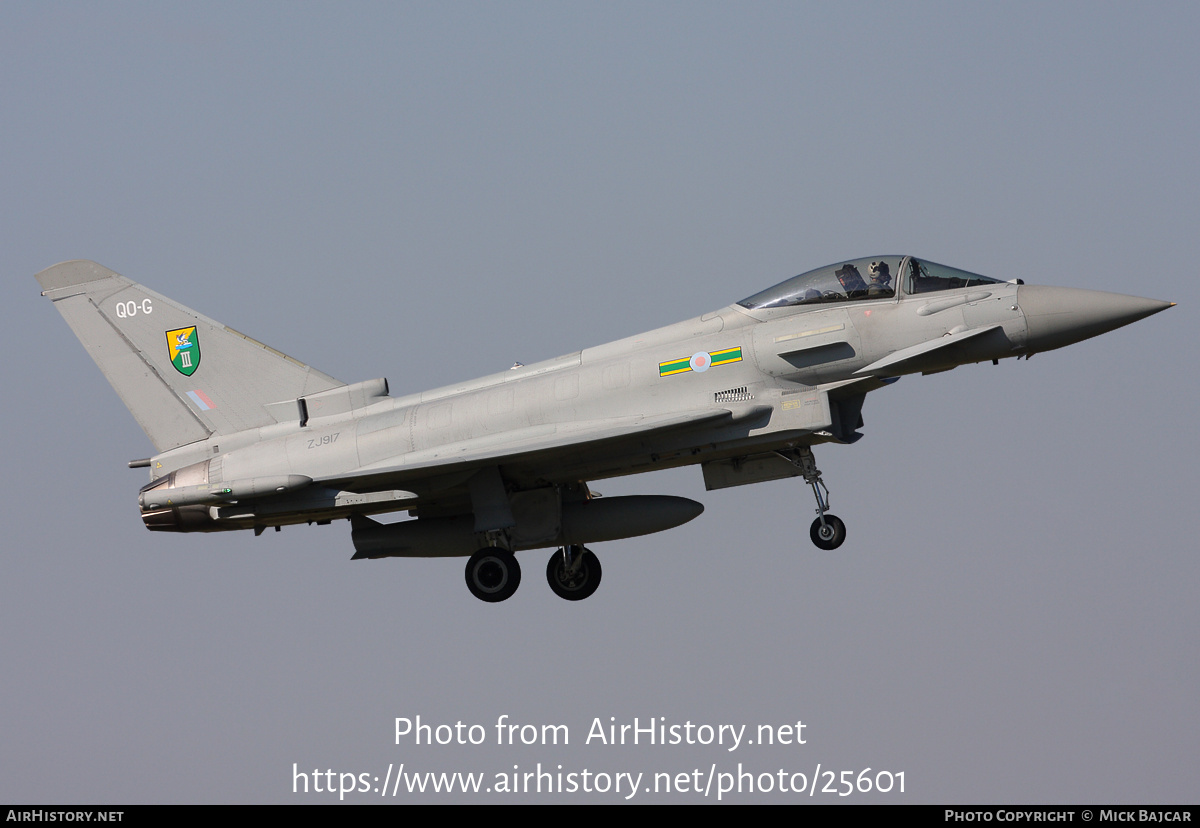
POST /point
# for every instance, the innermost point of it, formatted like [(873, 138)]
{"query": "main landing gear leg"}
[(827, 531)]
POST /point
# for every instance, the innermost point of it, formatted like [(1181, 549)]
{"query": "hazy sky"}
[(430, 192)]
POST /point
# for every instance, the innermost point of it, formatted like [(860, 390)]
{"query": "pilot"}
[(881, 280)]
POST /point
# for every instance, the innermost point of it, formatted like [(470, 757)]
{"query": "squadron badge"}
[(183, 345)]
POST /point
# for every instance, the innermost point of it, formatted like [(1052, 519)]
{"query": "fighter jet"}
[(246, 437)]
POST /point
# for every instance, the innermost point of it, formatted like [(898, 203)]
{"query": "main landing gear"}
[(827, 531), (573, 572), (493, 573)]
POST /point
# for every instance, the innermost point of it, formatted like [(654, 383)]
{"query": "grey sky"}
[(429, 192)]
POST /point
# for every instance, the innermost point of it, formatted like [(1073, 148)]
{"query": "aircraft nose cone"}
[(1056, 316)]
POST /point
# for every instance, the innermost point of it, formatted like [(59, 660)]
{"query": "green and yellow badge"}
[(699, 362), (183, 345)]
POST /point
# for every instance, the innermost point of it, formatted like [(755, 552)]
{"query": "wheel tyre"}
[(580, 584), (493, 574), (829, 536)]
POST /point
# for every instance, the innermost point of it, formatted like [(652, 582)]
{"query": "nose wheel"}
[(827, 531), (827, 535)]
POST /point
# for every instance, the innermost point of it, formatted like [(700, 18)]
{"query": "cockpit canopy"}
[(871, 278)]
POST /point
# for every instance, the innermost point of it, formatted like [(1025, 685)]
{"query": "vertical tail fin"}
[(182, 375)]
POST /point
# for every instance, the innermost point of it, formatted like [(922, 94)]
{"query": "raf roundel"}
[(700, 362)]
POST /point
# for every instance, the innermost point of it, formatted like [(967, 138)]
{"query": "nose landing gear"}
[(827, 531), (829, 534)]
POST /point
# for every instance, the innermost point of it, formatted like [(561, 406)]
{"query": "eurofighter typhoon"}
[(248, 438)]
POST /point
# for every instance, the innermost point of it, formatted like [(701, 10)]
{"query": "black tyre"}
[(577, 585), (829, 536), (493, 574)]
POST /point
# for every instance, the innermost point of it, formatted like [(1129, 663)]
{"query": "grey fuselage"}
[(731, 387)]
